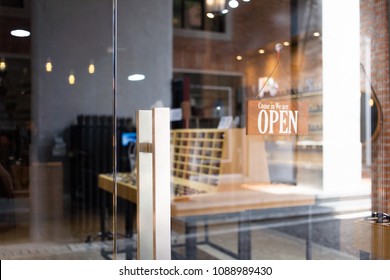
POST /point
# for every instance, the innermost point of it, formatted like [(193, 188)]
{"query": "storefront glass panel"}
[(278, 127)]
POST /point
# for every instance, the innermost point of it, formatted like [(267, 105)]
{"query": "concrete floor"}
[(267, 244), (332, 233)]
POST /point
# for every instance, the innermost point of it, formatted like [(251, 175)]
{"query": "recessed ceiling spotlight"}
[(136, 77), (246, 0), (316, 34), (224, 11), (261, 51), (286, 44), (239, 57), (210, 15), (233, 4), (20, 33)]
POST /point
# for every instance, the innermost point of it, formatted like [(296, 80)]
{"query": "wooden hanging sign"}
[(266, 117)]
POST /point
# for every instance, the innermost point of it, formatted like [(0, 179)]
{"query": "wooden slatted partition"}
[(196, 158)]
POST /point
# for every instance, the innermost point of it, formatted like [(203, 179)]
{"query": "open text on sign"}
[(277, 118)]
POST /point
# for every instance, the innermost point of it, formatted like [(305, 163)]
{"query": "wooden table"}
[(236, 200)]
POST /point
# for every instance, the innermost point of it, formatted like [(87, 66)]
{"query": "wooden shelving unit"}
[(196, 160)]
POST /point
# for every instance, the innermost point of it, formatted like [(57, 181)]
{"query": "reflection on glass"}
[(71, 78), (91, 68), (49, 66), (227, 187)]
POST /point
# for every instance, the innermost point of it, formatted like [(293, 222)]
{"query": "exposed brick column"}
[(378, 30)]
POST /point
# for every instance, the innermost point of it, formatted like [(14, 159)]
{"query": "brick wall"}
[(374, 25), (255, 25), (260, 25)]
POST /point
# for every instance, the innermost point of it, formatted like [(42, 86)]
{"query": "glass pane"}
[(177, 13), (278, 132), (193, 14), (248, 193), (55, 128)]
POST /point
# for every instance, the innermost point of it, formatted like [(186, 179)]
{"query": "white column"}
[(342, 156)]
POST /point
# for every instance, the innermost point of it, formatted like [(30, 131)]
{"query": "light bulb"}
[(71, 78), (3, 65), (49, 66), (91, 68)]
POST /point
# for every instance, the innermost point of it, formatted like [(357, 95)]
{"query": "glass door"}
[(73, 77)]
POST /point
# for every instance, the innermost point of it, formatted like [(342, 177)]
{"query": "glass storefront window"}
[(311, 186)]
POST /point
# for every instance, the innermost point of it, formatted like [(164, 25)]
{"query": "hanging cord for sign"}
[(374, 95), (278, 49)]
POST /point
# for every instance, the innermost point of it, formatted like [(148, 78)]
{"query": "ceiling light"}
[(261, 51), (239, 57), (233, 4), (224, 11), (316, 34), (71, 78), (20, 33), (215, 6), (91, 68), (136, 77), (3, 65), (246, 0), (49, 66), (210, 15), (286, 44)]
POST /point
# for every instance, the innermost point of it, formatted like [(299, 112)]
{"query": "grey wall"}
[(72, 33)]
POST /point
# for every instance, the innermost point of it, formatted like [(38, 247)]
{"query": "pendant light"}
[(215, 6)]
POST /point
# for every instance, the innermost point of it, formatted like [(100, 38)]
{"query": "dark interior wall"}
[(72, 35)]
